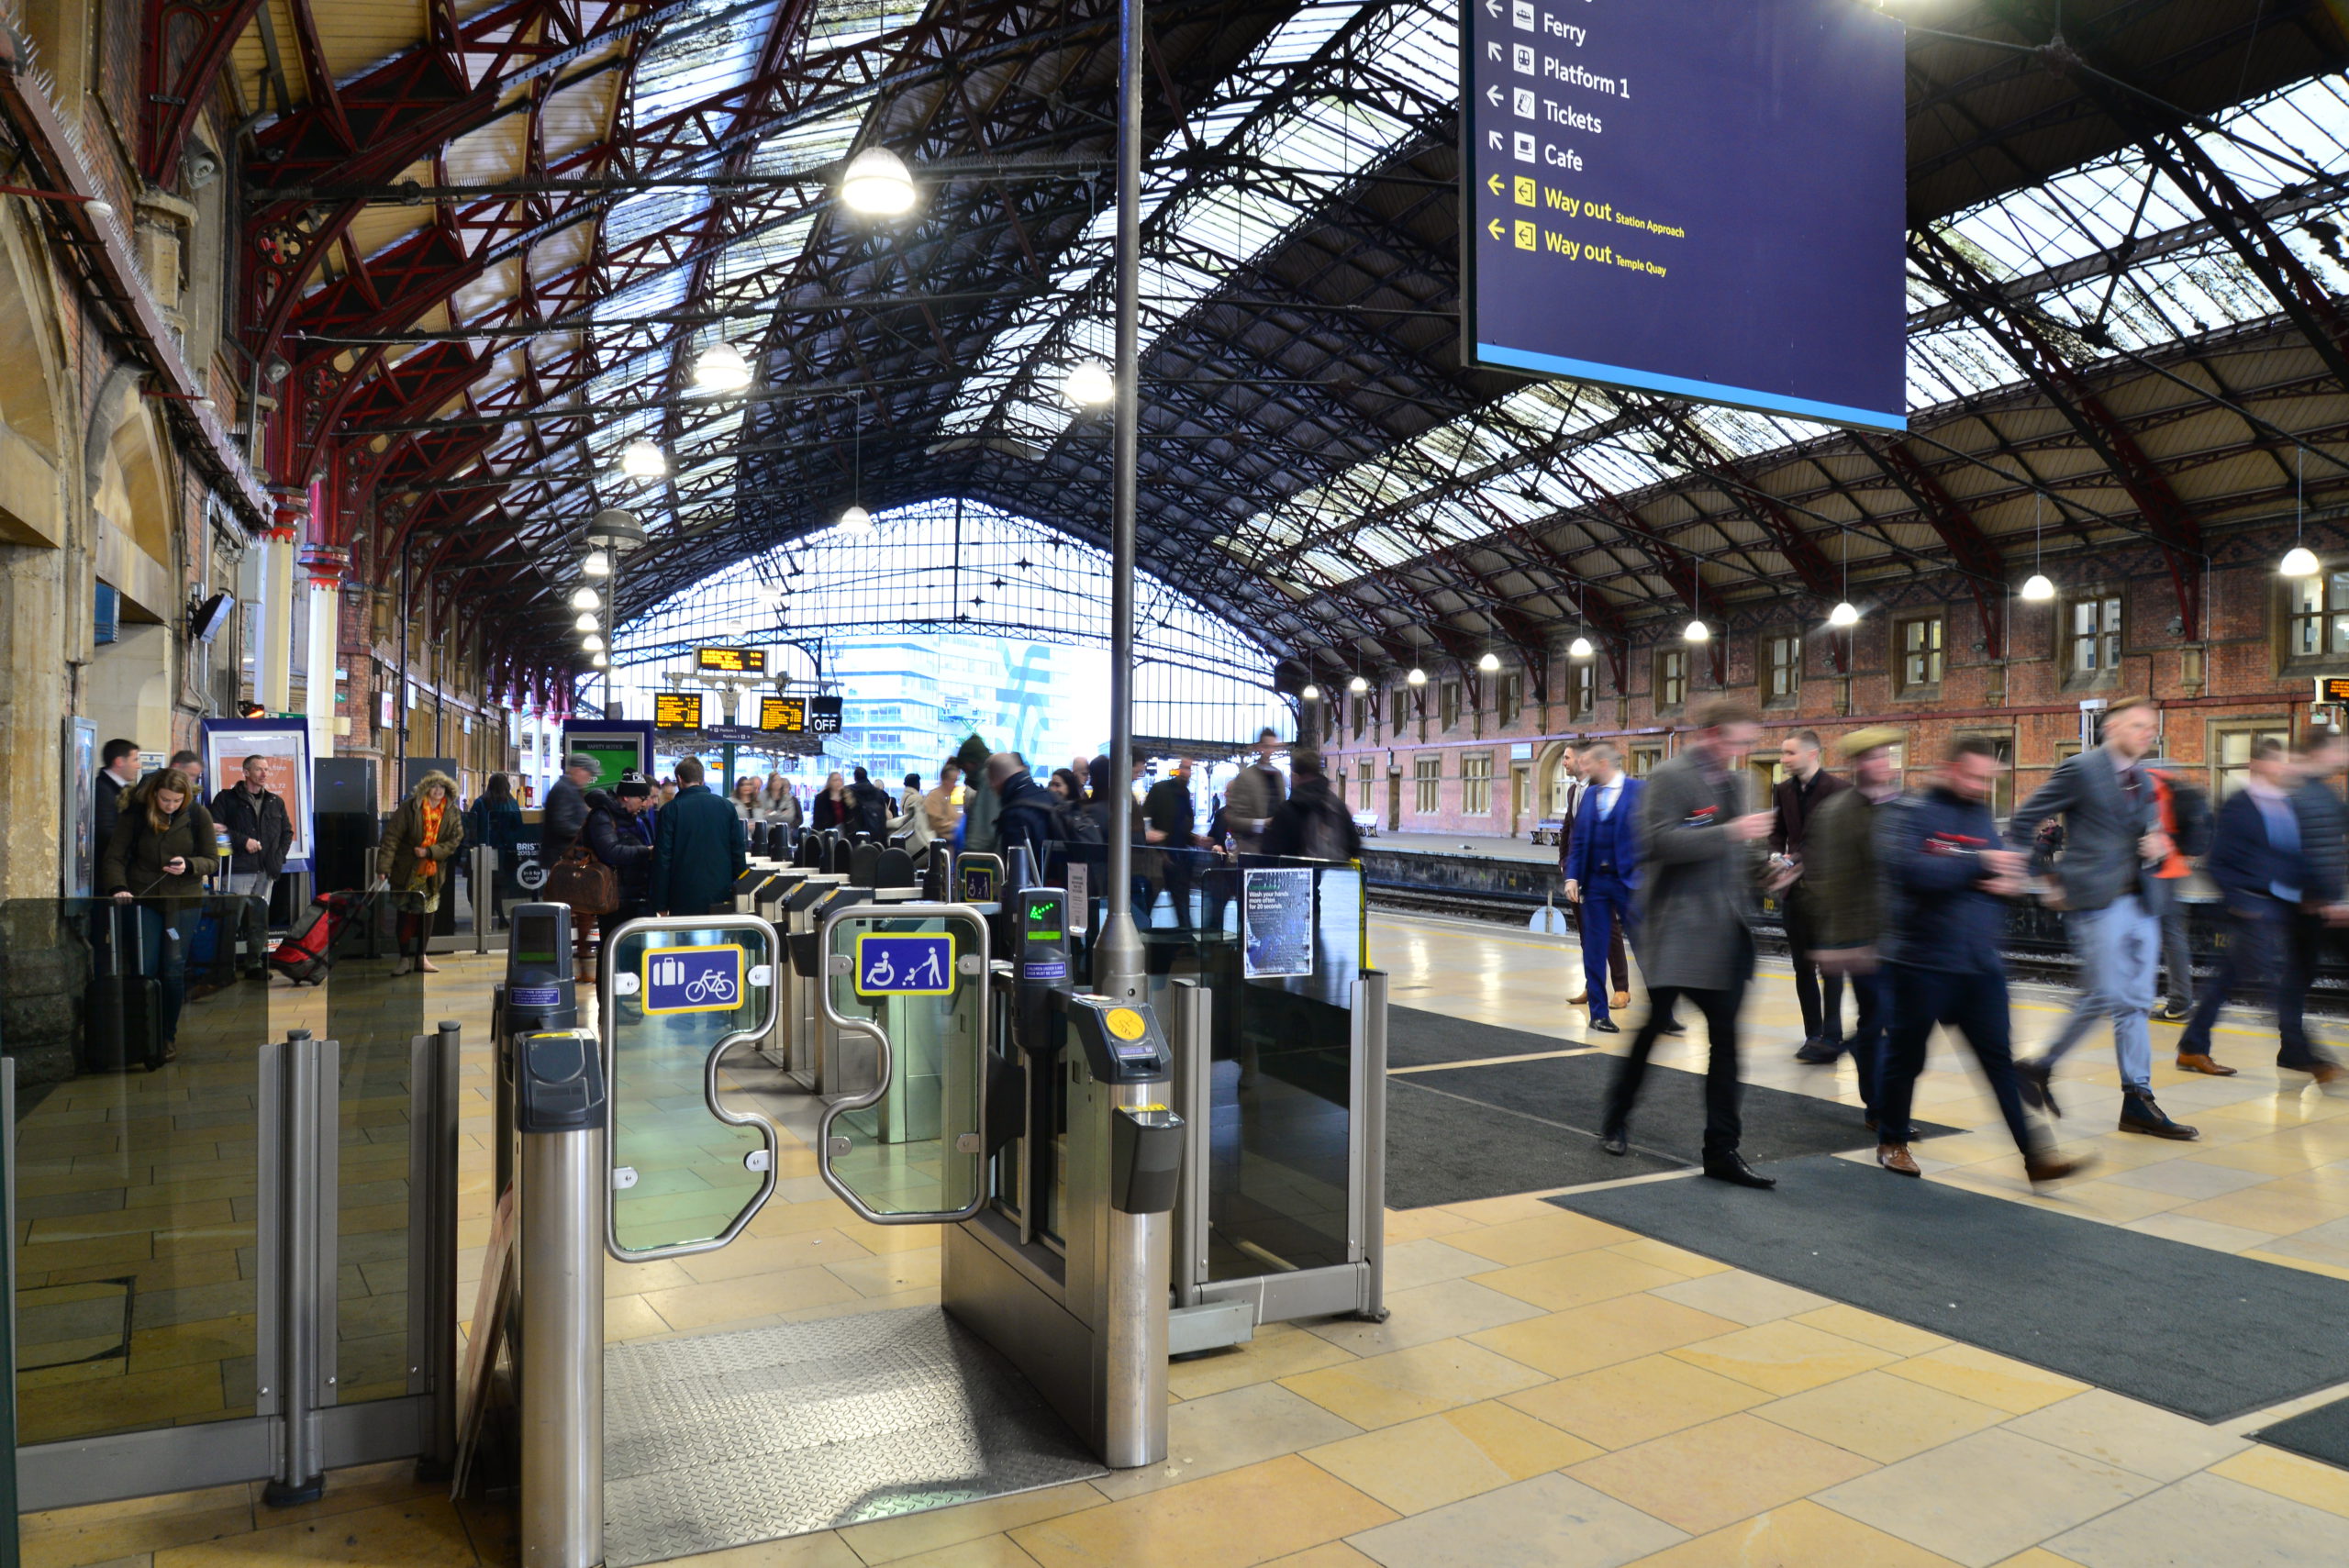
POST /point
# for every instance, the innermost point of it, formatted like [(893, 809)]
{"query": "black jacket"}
[(2324, 820), (110, 790), (559, 823), (1028, 817), (1936, 915), (1313, 824), (620, 842), (261, 817), (697, 851), (869, 809)]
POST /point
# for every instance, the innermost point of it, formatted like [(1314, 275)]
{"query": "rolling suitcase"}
[(122, 1013), (307, 949)]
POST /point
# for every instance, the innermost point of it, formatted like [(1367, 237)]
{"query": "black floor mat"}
[(1461, 1133), (1416, 1037), (2201, 1333), (2321, 1433)]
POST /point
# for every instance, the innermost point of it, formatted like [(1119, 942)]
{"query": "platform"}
[(1550, 1389)]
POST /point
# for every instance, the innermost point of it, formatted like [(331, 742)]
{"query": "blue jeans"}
[(1606, 905), (2120, 947), (1975, 1005)]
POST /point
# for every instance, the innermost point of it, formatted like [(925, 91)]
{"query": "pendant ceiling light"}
[(586, 621), (1489, 662), (1845, 613), (1089, 384), (1357, 686), (1417, 677), (1580, 647), (878, 184), (596, 563), (2036, 588), (2300, 560), (1697, 630), (856, 519), (585, 599), (642, 460), (721, 368), (1310, 693)]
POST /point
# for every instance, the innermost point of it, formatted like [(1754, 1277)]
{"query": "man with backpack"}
[(1028, 814), (1312, 824), (1254, 796)]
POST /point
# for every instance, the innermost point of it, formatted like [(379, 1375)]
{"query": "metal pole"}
[(433, 1256), (1133, 1328), (1370, 1210), (301, 1476), (563, 1201), (1117, 967)]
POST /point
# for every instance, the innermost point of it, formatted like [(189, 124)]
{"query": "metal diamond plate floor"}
[(725, 1440)]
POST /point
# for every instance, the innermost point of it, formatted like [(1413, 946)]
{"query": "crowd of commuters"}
[(1903, 899)]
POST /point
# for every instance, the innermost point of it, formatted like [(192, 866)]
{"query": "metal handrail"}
[(880, 1039), (767, 1129)]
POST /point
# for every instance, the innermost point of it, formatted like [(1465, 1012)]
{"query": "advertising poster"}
[(1277, 921), (78, 860), (284, 747)]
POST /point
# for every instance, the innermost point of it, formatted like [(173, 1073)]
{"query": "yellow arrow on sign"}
[(1493, 185), (1496, 228)]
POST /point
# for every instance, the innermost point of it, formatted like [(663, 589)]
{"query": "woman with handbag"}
[(589, 876), (423, 837)]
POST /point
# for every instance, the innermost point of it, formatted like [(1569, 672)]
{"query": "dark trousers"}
[(1872, 993), (1975, 1005), (1722, 1124), (2267, 943), (2178, 958), (1822, 1016), (1608, 913)]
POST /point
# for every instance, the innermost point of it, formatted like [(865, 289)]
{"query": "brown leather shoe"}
[(2190, 1062), (1581, 1001), (2053, 1167), (1896, 1158), (1622, 998), (2325, 1072)]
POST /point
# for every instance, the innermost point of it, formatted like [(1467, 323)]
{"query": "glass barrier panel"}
[(682, 1176), (137, 1043), (917, 1149)]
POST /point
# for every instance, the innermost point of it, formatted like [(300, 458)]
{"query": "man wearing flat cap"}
[(1840, 871)]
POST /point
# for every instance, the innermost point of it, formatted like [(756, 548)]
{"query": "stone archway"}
[(1549, 783)]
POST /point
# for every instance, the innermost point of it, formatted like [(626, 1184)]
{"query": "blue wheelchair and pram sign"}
[(693, 979), (914, 964)]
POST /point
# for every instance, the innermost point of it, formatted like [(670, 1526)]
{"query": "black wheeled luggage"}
[(122, 1010)]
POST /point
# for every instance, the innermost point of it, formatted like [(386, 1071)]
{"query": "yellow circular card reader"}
[(1126, 1024)]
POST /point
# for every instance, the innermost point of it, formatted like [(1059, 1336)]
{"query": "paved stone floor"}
[(1550, 1389)]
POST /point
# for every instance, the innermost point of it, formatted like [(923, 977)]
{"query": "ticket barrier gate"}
[(614, 1124)]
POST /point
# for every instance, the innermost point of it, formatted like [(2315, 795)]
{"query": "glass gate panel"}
[(905, 987), (677, 996)]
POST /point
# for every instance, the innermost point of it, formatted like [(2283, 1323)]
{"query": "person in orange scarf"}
[(423, 838)]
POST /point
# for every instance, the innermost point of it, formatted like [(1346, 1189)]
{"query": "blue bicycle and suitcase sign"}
[(693, 979)]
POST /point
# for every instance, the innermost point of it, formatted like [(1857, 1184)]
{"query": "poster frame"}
[(228, 741)]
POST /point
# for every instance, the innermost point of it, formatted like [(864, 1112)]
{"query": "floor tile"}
[(1868, 1328), (2208, 1233), (2188, 1178), (1335, 1554), (2126, 1432), (1441, 1458), (1551, 1235), (1746, 1298), (1885, 1418), (1224, 1431), (1416, 1264), (1277, 1350), (823, 1550), (1378, 1391), (1634, 1401), (1799, 1535), (1440, 1311), (1556, 1283), (421, 1534), (1783, 1357), (1233, 1520), (1985, 1498), (2290, 1476), (1617, 1329), (1665, 1255), (1704, 1477), (2204, 1520), (2011, 1385), (1550, 1522), (988, 1552)]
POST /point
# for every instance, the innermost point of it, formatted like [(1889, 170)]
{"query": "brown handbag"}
[(585, 883)]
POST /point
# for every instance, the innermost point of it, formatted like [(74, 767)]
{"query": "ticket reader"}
[(537, 994), (562, 1114)]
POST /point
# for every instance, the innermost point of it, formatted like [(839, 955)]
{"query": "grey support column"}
[(432, 1244), (1133, 1326), (562, 1113), (301, 1473)]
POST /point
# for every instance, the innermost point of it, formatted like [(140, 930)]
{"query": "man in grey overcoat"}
[(1699, 864)]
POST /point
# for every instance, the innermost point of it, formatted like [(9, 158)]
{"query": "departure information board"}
[(733, 660), (1691, 197), (676, 711), (787, 715)]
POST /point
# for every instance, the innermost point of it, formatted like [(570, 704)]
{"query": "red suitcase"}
[(307, 949)]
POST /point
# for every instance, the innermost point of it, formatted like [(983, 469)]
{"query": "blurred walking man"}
[(1603, 871), (1806, 787)]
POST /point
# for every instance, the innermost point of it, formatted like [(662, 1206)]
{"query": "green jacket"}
[(1839, 872), (395, 859)]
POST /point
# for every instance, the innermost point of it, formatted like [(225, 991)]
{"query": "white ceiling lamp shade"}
[(642, 460), (2037, 589), (592, 643), (1089, 385), (1358, 686), (1844, 614), (721, 368), (2300, 561), (856, 520), (1489, 662), (1580, 647), (601, 662), (1310, 693), (1417, 677), (596, 563), (586, 621), (878, 184), (1697, 631), (585, 599)]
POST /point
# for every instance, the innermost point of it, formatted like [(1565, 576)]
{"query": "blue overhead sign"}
[(693, 979), (920, 964), (1706, 199)]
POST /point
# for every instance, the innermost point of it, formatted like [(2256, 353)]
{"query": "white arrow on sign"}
[(1493, 52), (1496, 137), (1494, 6), (1493, 95)]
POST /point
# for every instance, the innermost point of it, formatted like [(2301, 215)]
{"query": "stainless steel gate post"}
[(484, 868), (1134, 1327), (1368, 1221), (1193, 1047), (432, 1245), (301, 1473), (563, 1114)]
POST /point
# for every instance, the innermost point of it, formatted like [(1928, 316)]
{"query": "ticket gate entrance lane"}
[(717, 1439)]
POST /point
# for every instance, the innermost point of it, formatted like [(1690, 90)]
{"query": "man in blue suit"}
[(1603, 869)]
